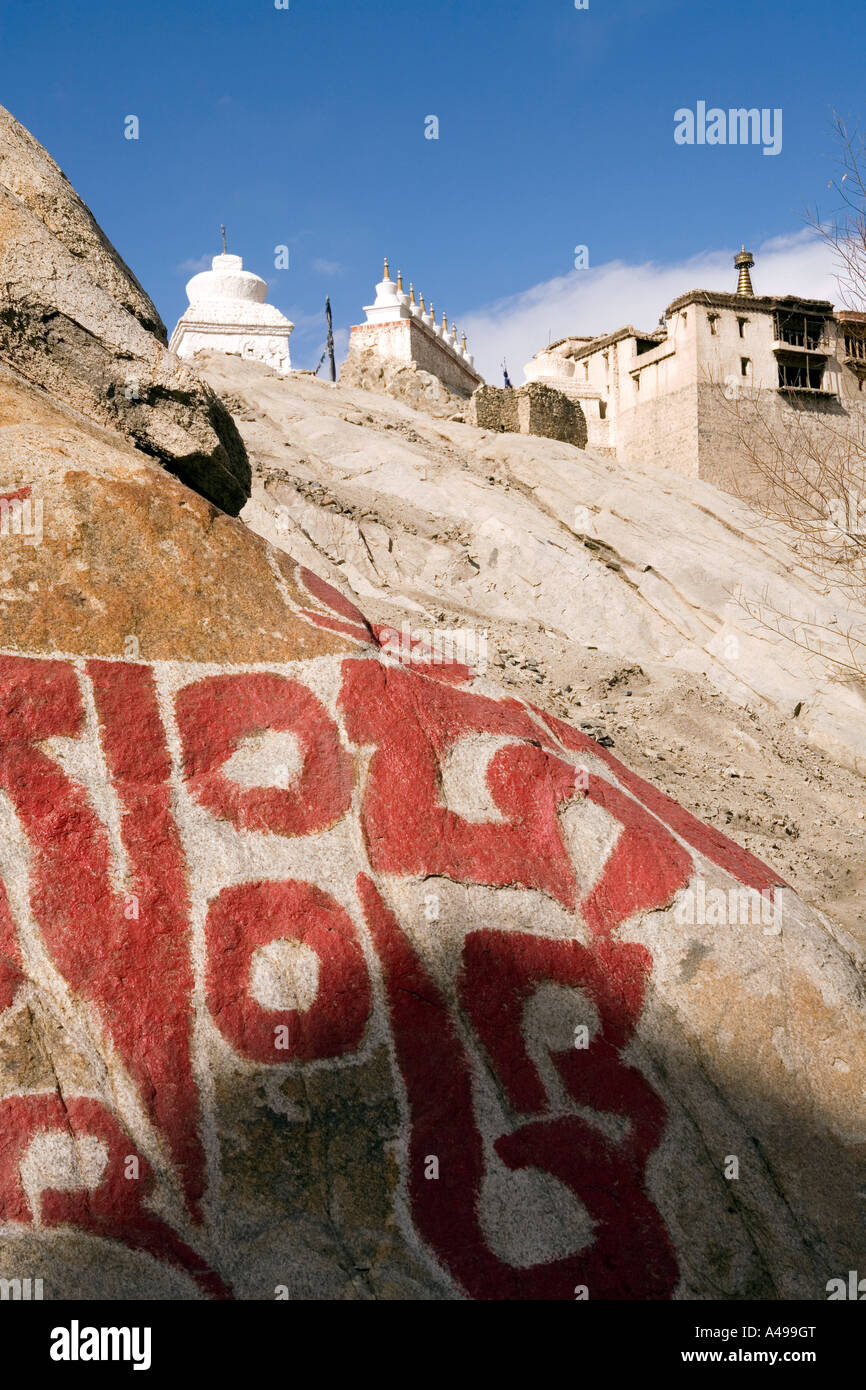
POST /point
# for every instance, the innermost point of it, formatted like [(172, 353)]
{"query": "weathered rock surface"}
[(416, 388), (644, 564), (75, 322), (582, 572), (330, 971)]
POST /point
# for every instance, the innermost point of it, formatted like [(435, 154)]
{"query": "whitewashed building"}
[(666, 396)]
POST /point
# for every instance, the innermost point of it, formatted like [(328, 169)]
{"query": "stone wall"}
[(834, 428), (412, 342), (550, 413), (663, 431), (531, 409), (494, 408), (700, 433)]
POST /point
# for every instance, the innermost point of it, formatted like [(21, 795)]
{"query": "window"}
[(685, 318), (741, 325), (799, 330), (586, 370), (801, 376), (602, 409), (745, 364), (712, 320)]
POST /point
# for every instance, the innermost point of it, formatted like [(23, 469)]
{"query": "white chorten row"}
[(227, 313), (397, 329), (392, 304)]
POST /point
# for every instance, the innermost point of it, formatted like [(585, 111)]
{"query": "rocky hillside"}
[(331, 971), (618, 598)]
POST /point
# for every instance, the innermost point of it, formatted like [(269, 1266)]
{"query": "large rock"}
[(75, 322), (328, 971), (402, 381)]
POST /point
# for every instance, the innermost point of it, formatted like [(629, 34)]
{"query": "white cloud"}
[(327, 267), (193, 267), (606, 297)]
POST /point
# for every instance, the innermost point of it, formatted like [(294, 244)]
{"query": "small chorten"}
[(390, 302), (401, 295), (227, 313)]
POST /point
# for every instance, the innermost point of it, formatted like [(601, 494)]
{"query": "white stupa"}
[(227, 313)]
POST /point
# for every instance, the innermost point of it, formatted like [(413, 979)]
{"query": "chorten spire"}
[(223, 230), (743, 261)]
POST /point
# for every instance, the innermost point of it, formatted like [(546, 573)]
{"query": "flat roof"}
[(764, 303), (604, 339), (714, 299)]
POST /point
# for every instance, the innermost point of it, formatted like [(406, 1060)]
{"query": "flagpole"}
[(330, 339)]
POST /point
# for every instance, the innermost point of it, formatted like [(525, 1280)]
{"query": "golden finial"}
[(400, 281), (444, 322), (743, 262), (387, 275), (432, 311), (464, 342), (411, 293), (422, 306)]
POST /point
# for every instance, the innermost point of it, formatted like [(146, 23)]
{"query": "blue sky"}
[(305, 127)]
